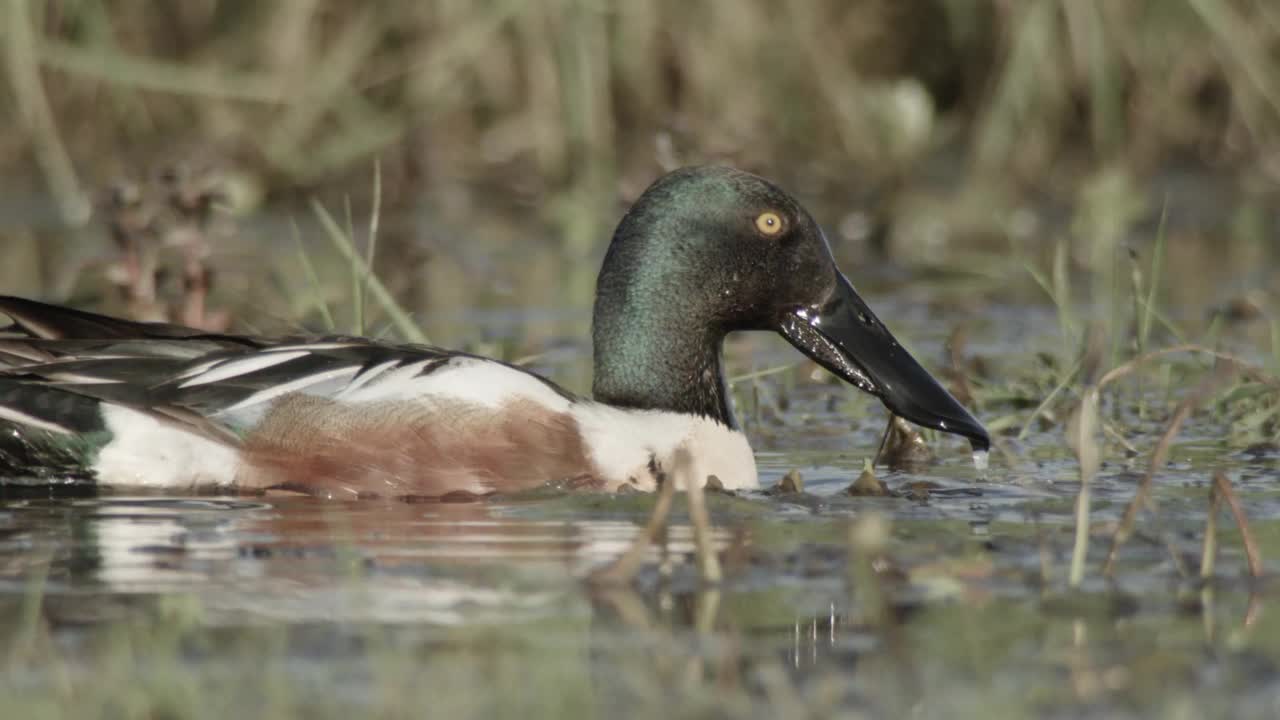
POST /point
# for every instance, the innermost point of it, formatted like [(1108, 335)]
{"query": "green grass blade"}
[(399, 317)]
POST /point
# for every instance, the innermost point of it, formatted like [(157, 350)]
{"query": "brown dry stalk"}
[(684, 472), (708, 562), (624, 569), (1251, 372), (1222, 489), (1226, 368), (884, 440), (1254, 610), (1209, 549), (1082, 437)]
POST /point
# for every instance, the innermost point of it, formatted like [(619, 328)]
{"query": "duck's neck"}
[(651, 356)]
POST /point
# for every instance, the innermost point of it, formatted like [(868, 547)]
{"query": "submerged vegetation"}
[(1069, 207)]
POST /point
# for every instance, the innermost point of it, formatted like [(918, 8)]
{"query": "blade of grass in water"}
[(357, 279), (1062, 384), (1157, 267), (1145, 309), (374, 215), (1165, 321), (1056, 287), (1088, 453), (1062, 296), (399, 317)]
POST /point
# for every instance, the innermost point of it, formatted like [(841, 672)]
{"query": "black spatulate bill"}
[(845, 337)]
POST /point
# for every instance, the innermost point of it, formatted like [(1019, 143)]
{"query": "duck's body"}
[(704, 252), (344, 417)]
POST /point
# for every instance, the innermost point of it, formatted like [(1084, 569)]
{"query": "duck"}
[(703, 252)]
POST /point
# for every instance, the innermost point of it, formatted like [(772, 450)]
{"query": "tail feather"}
[(48, 434), (54, 322)]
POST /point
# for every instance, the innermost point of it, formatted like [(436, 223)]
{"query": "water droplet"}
[(980, 460)]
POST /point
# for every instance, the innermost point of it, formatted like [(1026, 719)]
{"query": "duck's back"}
[(95, 399)]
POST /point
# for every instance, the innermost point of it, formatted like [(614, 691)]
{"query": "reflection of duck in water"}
[(703, 252), (390, 535), (296, 558)]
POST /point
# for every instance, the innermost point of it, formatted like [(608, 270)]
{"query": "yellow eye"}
[(768, 223)]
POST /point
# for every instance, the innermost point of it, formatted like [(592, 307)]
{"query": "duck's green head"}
[(706, 251)]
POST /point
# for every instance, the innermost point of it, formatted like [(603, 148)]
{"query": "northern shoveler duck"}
[(703, 252)]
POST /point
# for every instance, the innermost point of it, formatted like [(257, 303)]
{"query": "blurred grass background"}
[(930, 133)]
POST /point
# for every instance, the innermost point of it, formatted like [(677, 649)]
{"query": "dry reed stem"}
[(624, 569), (708, 563), (1209, 548), (1062, 384), (626, 605), (1084, 441), (1222, 489), (884, 440), (1254, 611), (1113, 433), (1160, 454), (868, 537), (1251, 372), (1046, 558)]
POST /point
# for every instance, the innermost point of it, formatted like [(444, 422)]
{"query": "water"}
[(981, 459), (294, 591), (946, 600)]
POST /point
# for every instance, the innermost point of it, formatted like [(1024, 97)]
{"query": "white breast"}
[(622, 444)]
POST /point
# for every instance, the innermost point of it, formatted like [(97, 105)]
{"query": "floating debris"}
[(867, 484), (792, 483)]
